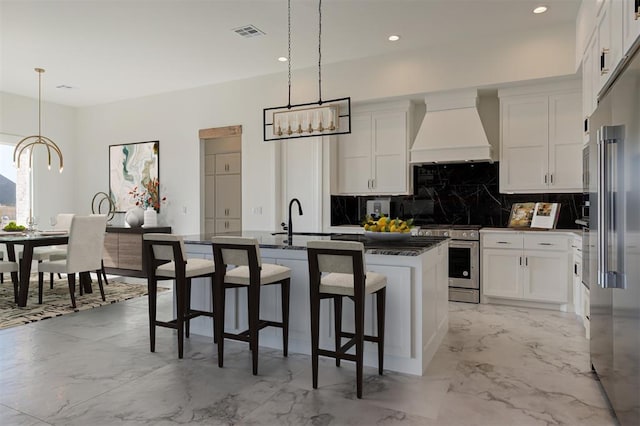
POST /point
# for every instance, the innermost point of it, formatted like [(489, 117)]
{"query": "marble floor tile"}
[(9, 416), (498, 365)]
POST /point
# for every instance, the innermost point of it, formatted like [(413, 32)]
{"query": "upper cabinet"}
[(608, 30), (630, 23), (541, 140), (609, 38), (373, 158)]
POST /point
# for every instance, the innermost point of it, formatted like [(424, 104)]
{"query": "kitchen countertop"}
[(562, 231), (413, 246)]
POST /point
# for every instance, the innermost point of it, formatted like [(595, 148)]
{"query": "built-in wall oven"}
[(464, 260)]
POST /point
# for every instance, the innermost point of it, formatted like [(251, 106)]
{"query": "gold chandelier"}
[(34, 140)]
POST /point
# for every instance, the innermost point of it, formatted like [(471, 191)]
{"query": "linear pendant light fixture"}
[(322, 118), (35, 140)]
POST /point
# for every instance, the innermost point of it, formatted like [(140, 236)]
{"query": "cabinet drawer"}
[(512, 240), (535, 241)]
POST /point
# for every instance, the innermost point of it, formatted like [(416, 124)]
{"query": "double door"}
[(373, 159), (541, 142), (526, 267)]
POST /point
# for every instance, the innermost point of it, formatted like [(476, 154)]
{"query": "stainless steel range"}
[(464, 259)]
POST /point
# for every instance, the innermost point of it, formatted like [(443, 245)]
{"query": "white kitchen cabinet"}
[(228, 163), (609, 33), (526, 267), (589, 84), (615, 27), (222, 185), (577, 276), (373, 158), (502, 273), (541, 139), (630, 23), (228, 200)]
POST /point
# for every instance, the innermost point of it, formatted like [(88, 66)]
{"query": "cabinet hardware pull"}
[(551, 178), (373, 183), (575, 269), (520, 260), (586, 125), (545, 178), (603, 70), (526, 261), (369, 183), (503, 242), (545, 244)]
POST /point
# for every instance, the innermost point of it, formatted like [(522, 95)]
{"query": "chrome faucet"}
[(290, 224)]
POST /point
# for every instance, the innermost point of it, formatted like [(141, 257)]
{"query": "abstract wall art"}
[(133, 168)]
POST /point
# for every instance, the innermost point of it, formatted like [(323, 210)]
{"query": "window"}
[(14, 183)]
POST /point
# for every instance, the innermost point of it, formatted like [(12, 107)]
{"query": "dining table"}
[(29, 241)]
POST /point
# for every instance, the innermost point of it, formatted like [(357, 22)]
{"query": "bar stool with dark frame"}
[(165, 260), (252, 274), (343, 263)]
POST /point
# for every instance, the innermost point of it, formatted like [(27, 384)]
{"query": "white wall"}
[(175, 118), (53, 191)]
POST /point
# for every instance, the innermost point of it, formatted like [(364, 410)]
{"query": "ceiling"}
[(109, 50)]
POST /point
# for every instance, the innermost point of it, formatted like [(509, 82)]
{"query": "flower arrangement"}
[(149, 195)]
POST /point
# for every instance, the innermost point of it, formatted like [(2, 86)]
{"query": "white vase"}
[(150, 218), (134, 217)]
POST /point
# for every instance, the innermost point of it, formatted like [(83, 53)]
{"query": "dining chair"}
[(10, 267), (337, 270), (63, 223), (166, 259), (252, 274), (84, 253)]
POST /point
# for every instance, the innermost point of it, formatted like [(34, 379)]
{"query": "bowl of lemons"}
[(387, 229)]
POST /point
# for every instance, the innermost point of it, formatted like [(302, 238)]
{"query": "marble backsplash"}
[(460, 194)]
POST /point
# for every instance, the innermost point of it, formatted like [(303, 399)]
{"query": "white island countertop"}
[(417, 307)]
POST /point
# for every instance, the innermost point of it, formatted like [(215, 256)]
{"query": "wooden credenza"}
[(123, 250)]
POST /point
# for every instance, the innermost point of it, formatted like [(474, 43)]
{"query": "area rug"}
[(56, 302)]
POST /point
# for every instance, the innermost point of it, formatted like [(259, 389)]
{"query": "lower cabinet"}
[(528, 267), (122, 253)]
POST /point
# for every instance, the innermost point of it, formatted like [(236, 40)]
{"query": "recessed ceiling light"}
[(394, 37), (540, 9), (282, 59)]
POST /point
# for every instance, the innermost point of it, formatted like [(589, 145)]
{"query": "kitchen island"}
[(416, 303)]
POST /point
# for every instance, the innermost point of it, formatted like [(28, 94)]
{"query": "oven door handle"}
[(463, 244)]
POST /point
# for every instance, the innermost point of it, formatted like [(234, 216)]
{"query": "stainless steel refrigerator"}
[(614, 233)]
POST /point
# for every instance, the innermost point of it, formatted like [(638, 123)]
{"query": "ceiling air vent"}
[(248, 31)]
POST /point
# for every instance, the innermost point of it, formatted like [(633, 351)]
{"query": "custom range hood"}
[(452, 131)]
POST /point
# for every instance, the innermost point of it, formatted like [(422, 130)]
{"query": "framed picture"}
[(545, 215), (134, 168), (521, 215)]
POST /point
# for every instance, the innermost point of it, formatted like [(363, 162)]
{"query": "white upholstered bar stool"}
[(166, 260), (251, 274), (337, 270)]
